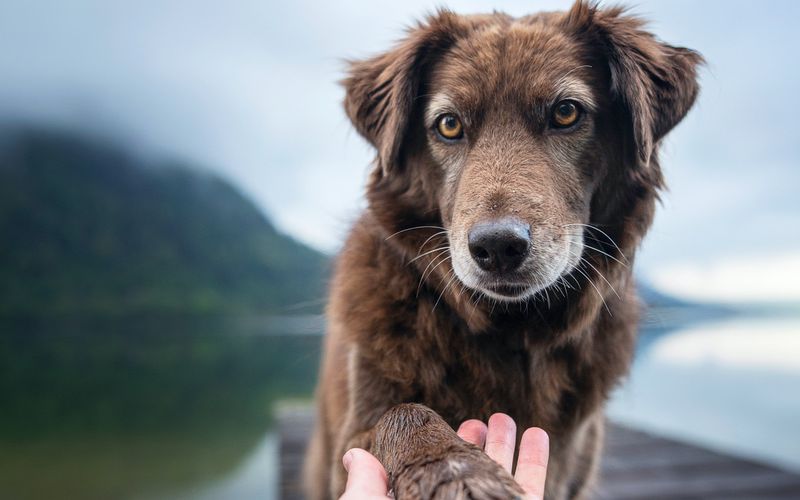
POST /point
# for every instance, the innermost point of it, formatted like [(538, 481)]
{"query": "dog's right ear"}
[(381, 90)]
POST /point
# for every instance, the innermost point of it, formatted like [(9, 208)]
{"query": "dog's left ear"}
[(380, 91), (655, 83)]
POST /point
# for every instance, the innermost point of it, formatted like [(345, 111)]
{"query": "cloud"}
[(761, 278)]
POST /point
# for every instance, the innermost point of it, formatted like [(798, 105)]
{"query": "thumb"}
[(365, 474)]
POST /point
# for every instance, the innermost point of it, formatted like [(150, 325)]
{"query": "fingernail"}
[(346, 459)]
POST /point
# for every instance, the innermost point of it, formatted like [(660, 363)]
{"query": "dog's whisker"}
[(434, 235), (434, 262), (577, 283), (554, 287), (583, 260), (438, 249), (569, 286), (561, 288), (606, 254), (444, 289), (547, 295), (595, 228), (598, 250), (565, 283), (588, 279), (445, 259), (413, 229), (588, 235), (603, 277), (424, 278), (557, 287), (473, 303)]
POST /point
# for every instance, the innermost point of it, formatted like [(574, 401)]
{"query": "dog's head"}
[(529, 143)]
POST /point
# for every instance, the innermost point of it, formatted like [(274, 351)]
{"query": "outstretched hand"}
[(366, 477)]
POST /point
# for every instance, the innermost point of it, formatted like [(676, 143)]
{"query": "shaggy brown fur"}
[(411, 317)]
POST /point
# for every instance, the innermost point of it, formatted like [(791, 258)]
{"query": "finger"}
[(365, 474), (500, 439), (473, 431), (534, 449)]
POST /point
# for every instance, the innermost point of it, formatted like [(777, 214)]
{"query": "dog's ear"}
[(655, 83), (380, 92)]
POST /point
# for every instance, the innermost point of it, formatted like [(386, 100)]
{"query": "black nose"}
[(499, 245)]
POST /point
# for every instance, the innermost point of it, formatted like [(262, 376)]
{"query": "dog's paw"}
[(425, 459), (457, 476)]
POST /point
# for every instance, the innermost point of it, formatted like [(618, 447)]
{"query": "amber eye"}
[(565, 114), (449, 127)]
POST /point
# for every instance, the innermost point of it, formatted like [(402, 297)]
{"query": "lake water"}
[(146, 408), (158, 408), (731, 385)]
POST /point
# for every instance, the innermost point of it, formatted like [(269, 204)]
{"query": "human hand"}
[(367, 478), (499, 440)]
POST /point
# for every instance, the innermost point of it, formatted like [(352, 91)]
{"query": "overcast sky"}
[(248, 89)]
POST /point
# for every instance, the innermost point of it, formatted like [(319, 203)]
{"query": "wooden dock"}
[(636, 465)]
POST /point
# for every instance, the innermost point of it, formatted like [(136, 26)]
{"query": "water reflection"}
[(144, 407), (730, 385), (256, 478)]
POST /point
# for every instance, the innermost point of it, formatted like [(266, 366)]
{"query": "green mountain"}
[(86, 227)]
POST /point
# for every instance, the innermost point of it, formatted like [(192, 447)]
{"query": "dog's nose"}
[(499, 245)]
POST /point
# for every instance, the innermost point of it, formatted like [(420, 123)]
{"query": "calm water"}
[(732, 385), (146, 408), (180, 409)]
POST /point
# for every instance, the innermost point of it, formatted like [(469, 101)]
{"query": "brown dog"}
[(516, 174)]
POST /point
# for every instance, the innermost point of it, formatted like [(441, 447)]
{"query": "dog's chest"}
[(478, 375)]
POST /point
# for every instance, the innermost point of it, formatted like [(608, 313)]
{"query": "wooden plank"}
[(636, 465), (704, 484), (294, 427), (639, 465)]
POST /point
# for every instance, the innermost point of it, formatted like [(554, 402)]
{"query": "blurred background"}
[(175, 178)]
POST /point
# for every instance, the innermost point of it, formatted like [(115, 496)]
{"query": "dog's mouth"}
[(507, 291)]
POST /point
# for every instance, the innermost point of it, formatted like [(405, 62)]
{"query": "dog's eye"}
[(565, 114), (449, 127)]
